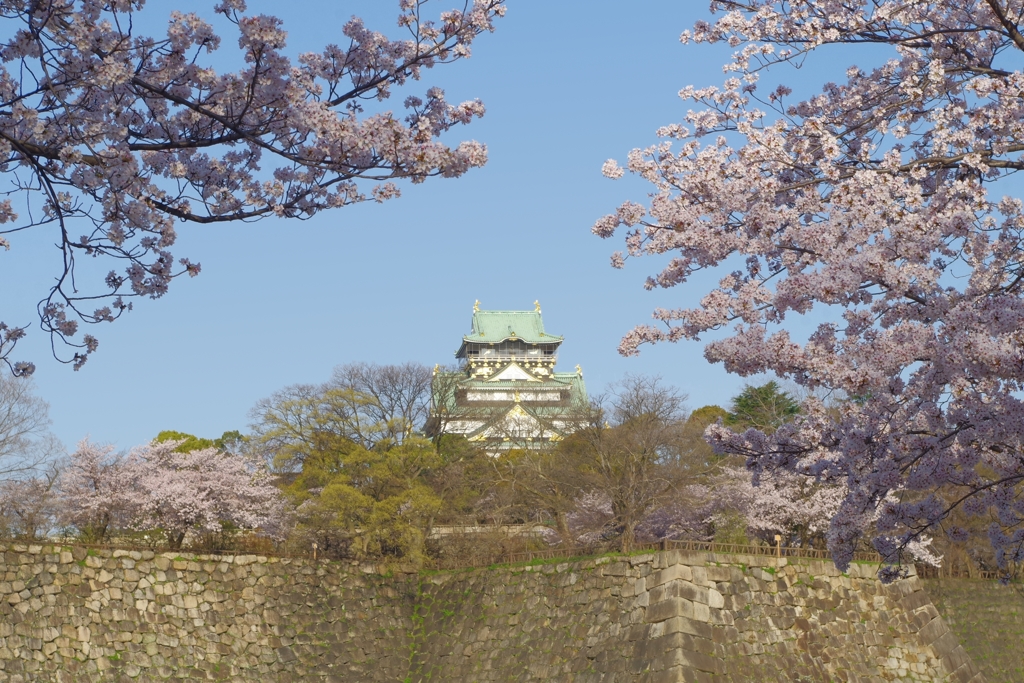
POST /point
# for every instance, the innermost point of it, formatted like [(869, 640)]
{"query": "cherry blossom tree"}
[(877, 207), (800, 510), (28, 505), (199, 490), (109, 138), (156, 487), (784, 503), (96, 492)]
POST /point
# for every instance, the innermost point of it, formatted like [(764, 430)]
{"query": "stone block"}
[(616, 569), (719, 572), (681, 589), (932, 631), (701, 612), (671, 675), (945, 645), (668, 608), (687, 659), (673, 572), (700, 575)]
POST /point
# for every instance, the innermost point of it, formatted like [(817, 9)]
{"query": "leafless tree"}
[(398, 395), (25, 439), (531, 482), (375, 406), (443, 405), (628, 452), (631, 452), (29, 505)]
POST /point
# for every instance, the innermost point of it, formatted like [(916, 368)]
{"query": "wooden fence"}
[(705, 546), (929, 572), (923, 571)]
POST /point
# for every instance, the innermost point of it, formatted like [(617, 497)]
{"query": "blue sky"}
[(566, 85)]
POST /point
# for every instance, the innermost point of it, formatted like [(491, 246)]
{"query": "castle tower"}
[(507, 393)]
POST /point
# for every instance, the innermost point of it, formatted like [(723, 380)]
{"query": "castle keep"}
[(506, 393)]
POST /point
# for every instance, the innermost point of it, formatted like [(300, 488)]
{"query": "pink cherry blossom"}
[(874, 207), (110, 139), (199, 490), (96, 491), (155, 487)]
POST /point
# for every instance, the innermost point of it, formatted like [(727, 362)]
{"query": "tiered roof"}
[(492, 327), (503, 391)]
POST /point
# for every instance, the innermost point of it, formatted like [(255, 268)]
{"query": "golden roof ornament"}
[(536, 306), (476, 306), (436, 368), (579, 370)]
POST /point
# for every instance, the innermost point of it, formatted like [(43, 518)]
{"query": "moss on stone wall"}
[(678, 616), (988, 619)]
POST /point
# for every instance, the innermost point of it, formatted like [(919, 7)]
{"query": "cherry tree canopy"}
[(156, 487), (109, 138), (96, 491), (874, 207), (201, 490)]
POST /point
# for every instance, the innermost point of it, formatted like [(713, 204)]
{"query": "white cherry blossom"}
[(873, 207), (111, 139)]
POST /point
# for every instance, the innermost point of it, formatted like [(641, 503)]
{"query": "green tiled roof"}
[(491, 327)]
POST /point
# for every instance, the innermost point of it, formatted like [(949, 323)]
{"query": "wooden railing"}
[(704, 546), (568, 554), (929, 572)]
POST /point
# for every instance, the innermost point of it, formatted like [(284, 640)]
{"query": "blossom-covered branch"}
[(874, 206), (111, 138)]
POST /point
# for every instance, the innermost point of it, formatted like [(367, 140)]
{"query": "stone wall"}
[(72, 615), (988, 619), (681, 616), (67, 614)]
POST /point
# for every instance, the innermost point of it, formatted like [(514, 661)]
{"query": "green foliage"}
[(765, 407), (369, 503), (375, 406), (696, 450), (229, 440), (731, 527), (196, 443), (707, 415)]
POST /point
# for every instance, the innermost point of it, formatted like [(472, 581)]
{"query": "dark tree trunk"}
[(176, 540)]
